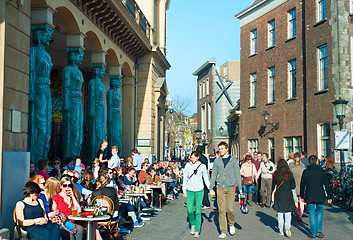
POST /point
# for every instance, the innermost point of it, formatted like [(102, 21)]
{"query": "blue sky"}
[(198, 30)]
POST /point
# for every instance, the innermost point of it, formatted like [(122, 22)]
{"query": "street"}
[(259, 223)]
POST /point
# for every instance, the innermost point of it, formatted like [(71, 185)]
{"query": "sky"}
[(198, 30)]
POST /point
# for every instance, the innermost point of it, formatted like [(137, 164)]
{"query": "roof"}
[(254, 4), (206, 64)]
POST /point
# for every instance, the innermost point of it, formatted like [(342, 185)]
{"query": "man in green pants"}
[(227, 173)]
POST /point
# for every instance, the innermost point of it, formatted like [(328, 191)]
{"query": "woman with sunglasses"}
[(195, 174), (64, 201), (30, 213)]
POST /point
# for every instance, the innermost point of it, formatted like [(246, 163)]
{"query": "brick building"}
[(294, 63)]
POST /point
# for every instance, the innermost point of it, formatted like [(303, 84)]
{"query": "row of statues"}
[(40, 102)]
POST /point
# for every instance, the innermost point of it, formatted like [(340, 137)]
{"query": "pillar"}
[(128, 121)]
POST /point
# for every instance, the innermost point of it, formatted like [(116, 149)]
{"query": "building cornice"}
[(205, 65)]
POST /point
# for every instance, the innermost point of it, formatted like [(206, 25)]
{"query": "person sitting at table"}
[(83, 191), (32, 169), (70, 174), (172, 185), (129, 178), (143, 173), (111, 182), (39, 179), (125, 209), (43, 167), (87, 179), (152, 178), (96, 168), (30, 213), (64, 201)]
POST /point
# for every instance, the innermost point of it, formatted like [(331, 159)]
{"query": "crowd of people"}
[(286, 185), (51, 193)]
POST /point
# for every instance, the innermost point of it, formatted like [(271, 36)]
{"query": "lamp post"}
[(340, 107), (221, 130)]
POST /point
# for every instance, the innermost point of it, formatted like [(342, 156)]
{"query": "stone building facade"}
[(127, 37), (294, 63)]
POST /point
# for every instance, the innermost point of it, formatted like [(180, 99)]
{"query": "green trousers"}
[(194, 199)]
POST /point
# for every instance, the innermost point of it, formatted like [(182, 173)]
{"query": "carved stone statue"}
[(73, 110), (96, 92), (113, 113), (40, 103)]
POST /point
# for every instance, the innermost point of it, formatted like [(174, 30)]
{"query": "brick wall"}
[(288, 112)]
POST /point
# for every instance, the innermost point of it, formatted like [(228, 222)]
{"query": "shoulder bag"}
[(195, 171)]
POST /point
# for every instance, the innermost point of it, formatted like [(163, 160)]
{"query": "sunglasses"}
[(110, 172), (56, 163), (67, 185)]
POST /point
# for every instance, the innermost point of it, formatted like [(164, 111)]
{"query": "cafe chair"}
[(110, 227), (19, 232)]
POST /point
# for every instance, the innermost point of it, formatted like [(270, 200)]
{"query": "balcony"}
[(136, 13)]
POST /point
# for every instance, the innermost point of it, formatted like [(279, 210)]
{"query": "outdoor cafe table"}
[(89, 221), (136, 199), (152, 187)]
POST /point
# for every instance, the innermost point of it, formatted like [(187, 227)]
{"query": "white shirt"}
[(114, 161)]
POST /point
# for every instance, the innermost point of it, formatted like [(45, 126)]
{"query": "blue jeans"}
[(247, 189), (315, 217)]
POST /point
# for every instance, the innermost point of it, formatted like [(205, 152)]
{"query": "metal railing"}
[(136, 14)]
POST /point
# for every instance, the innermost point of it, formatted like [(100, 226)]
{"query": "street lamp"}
[(221, 130), (340, 107), (266, 116), (274, 126)]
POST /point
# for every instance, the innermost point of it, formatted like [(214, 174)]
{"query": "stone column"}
[(96, 91), (114, 124), (40, 103), (72, 84), (128, 123)]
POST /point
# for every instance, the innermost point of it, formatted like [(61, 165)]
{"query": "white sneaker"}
[(192, 230), (197, 234), (223, 235), (232, 230)]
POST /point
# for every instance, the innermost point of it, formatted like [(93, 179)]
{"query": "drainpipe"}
[(136, 67), (305, 124)]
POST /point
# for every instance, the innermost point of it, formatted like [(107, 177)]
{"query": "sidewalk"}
[(259, 223)]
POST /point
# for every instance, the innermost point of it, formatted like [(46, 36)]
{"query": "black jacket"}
[(313, 184), (108, 192), (283, 201)]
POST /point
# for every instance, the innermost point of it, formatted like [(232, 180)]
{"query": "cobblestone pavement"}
[(259, 223)]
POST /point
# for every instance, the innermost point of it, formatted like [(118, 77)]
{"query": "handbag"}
[(248, 181), (64, 223)]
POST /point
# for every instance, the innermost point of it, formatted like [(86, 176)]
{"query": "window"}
[(253, 145), (292, 145), (207, 87), (271, 148), (271, 33), (271, 85), (321, 10), (225, 72), (209, 119), (324, 141), (292, 79), (253, 36), (203, 118), (200, 91), (322, 66), (253, 89), (292, 23), (204, 89)]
